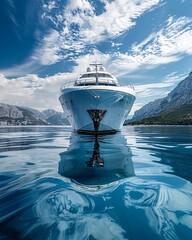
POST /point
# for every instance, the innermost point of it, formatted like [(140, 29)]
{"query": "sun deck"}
[(96, 78)]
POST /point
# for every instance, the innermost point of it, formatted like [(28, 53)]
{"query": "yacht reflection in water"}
[(94, 160)]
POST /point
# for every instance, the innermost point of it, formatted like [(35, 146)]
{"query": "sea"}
[(58, 185)]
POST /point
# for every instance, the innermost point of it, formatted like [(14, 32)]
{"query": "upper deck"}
[(95, 76)]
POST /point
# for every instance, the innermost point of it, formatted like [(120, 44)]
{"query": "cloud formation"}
[(169, 44), (174, 39), (160, 88), (78, 26), (33, 91)]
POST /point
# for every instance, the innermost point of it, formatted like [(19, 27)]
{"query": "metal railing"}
[(87, 82), (68, 84)]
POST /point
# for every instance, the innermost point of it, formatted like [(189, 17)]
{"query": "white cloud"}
[(33, 91), (50, 5), (168, 44), (22, 69), (50, 51), (78, 26), (119, 15), (161, 47), (114, 44), (160, 88)]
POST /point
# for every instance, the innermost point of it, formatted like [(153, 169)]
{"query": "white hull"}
[(116, 101)]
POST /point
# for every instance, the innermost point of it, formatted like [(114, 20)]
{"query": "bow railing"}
[(89, 82)]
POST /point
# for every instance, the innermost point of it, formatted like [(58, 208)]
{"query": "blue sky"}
[(45, 43)]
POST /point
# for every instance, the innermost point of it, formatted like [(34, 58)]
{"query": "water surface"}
[(55, 184)]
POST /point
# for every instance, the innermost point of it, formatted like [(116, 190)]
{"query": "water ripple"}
[(58, 185)]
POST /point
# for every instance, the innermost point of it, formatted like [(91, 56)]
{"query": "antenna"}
[(95, 64)]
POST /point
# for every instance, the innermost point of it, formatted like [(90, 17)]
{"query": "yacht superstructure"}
[(95, 103)]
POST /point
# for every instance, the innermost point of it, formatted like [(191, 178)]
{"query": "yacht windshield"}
[(87, 75)]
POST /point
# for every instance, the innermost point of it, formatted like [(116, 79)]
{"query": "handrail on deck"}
[(85, 83), (68, 84)]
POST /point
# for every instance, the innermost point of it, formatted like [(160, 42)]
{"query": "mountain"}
[(175, 108), (15, 115), (55, 118), (37, 113), (49, 112)]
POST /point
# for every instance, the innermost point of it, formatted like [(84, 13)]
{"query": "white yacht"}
[(95, 103)]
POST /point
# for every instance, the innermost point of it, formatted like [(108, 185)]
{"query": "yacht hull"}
[(97, 110)]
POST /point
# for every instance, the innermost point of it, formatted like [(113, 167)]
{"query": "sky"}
[(46, 43)]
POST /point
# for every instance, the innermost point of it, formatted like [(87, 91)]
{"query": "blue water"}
[(55, 184)]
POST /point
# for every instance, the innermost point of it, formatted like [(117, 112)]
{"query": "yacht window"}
[(87, 75), (94, 75), (85, 83)]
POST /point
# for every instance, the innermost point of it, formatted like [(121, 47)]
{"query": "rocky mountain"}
[(40, 115), (15, 115), (10, 111), (49, 112), (55, 118), (175, 107)]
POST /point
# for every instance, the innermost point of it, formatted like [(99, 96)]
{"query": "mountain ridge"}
[(16, 115), (159, 111)]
